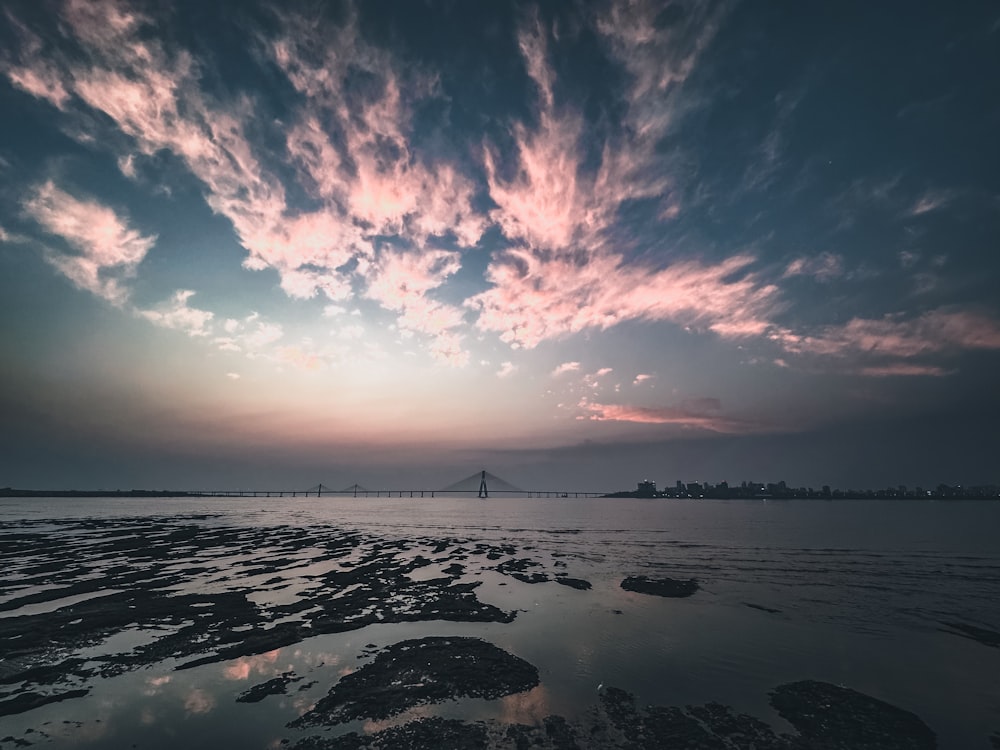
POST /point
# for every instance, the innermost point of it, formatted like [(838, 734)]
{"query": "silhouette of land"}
[(780, 490), (645, 489)]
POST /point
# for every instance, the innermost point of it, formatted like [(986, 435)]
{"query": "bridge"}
[(482, 484)]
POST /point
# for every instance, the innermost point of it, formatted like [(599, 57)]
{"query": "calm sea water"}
[(861, 591)]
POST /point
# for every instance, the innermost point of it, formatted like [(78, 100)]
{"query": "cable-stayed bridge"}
[(482, 484)]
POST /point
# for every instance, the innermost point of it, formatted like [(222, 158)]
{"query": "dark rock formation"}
[(415, 672), (669, 587)]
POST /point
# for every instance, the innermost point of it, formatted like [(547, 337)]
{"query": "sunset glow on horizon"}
[(276, 243)]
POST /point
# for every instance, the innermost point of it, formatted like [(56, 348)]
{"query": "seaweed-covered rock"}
[(275, 686), (518, 569), (423, 734), (837, 718), (669, 587), (559, 733), (28, 700), (620, 724), (427, 670), (827, 717)]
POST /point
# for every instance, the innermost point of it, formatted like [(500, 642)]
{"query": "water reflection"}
[(199, 701), (261, 665), (784, 597)]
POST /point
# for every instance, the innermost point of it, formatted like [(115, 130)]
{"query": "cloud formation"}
[(349, 182), (823, 267), (176, 314), (107, 251), (896, 336), (700, 414), (565, 272), (564, 368)]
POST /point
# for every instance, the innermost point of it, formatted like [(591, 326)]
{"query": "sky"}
[(578, 244)]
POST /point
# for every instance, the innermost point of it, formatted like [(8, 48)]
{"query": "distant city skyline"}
[(579, 243)]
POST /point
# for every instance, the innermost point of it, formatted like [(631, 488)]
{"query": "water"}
[(865, 594)]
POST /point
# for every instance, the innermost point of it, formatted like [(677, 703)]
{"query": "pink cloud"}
[(893, 336), (506, 370), (566, 276), (401, 281), (535, 297), (698, 414), (903, 369), (179, 316), (154, 98), (658, 59), (377, 179), (42, 82), (553, 201), (108, 250), (822, 267), (641, 378), (198, 702), (564, 368), (657, 56), (242, 668)]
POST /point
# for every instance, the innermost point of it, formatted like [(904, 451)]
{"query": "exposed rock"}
[(415, 672), (274, 686), (668, 587), (27, 701), (839, 718), (424, 734), (517, 569)]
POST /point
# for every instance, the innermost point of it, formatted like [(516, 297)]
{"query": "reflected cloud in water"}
[(199, 701), (262, 664)]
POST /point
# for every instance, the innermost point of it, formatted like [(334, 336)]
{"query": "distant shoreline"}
[(13, 492), (974, 494)]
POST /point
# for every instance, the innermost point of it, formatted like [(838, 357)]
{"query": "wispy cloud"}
[(903, 369), (701, 414), (896, 336), (108, 251), (641, 378), (537, 297), (564, 368), (402, 281), (153, 97), (823, 267), (931, 200), (769, 158), (178, 315), (564, 275), (252, 335), (506, 369)]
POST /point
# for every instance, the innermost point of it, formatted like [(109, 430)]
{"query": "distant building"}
[(646, 489)]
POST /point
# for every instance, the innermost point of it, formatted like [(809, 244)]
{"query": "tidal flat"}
[(323, 631)]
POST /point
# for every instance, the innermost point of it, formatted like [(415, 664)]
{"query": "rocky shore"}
[(205, 594)]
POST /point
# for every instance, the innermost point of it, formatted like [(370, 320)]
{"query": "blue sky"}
[(282, 243)]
